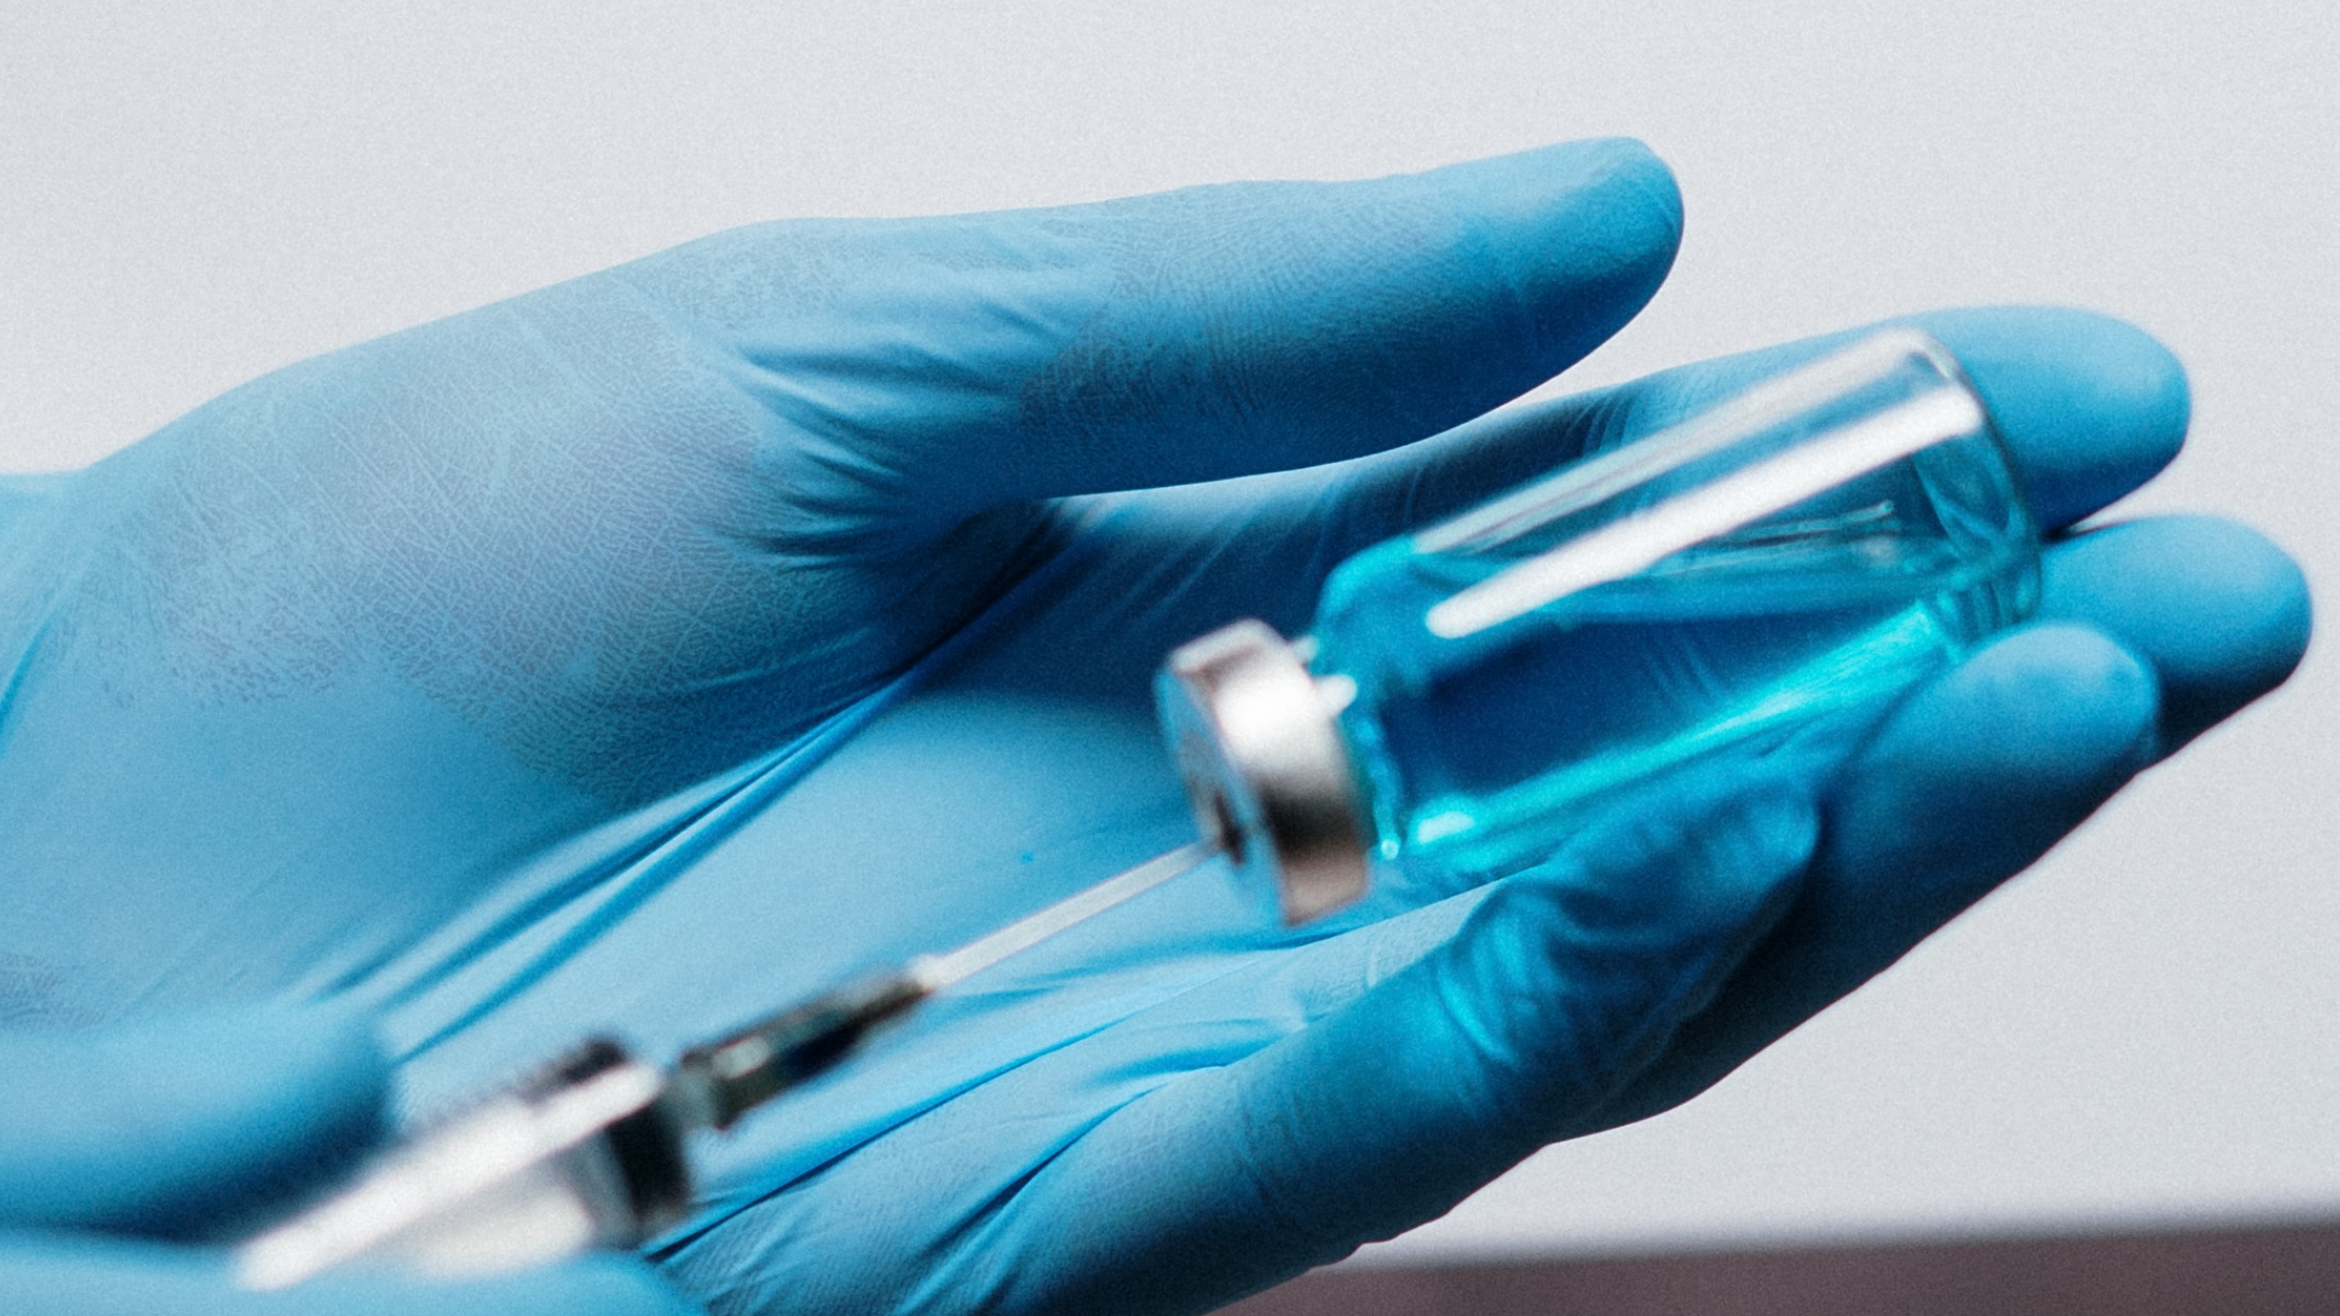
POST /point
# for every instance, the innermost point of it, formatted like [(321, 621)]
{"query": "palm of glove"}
[(648, 650)]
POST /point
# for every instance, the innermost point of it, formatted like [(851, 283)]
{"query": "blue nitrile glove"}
[(114, 1140), (649, 650)]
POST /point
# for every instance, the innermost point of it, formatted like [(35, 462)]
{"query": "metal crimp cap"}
[(1265, 766)]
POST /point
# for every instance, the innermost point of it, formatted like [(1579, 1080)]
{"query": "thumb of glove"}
[(1557, 989), (181, 1125)]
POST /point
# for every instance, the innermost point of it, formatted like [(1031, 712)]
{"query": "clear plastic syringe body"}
[(1759, 580)]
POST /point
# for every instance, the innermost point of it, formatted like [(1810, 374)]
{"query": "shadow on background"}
[(2234, 1272)]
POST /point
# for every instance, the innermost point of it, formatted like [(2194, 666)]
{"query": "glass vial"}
[(1767, 574)]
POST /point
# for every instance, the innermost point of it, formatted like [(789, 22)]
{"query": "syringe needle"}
[(935, 972), (592, 1153), (748, 1068)]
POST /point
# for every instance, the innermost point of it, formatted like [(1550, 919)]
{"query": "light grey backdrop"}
[(2146, 1027)]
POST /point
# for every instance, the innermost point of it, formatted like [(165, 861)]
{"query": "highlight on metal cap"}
[(1265, 767)]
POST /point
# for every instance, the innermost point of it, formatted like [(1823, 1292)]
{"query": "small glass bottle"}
[(1770, 573)]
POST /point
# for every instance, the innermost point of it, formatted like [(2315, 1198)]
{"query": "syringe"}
[(1438, 718), (592, 1153)]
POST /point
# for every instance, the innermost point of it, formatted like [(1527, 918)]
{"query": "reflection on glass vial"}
[(1761, 576)]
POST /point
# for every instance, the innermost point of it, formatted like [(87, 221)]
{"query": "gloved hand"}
[(654, 648), (113, 1141)]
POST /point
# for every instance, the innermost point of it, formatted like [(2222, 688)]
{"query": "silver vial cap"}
[(1265, 767)]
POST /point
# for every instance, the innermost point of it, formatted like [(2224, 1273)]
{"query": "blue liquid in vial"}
[(1484, 754)]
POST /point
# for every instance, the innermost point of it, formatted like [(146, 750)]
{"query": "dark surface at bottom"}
[(2228, 1272)]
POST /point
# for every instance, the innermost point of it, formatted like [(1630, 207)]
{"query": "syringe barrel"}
[(587, 1155)]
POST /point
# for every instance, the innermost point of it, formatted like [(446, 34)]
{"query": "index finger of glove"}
[(949, 365), (2090, 408)]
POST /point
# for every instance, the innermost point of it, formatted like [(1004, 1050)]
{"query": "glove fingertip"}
[(2092, 406), (2221, 612), (1588, 229)]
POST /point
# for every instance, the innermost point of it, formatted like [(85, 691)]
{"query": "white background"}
[(2147, 1027)]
